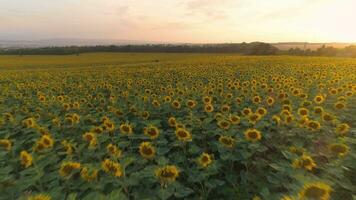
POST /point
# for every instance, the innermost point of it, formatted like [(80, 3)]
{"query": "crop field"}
[(177, 126)]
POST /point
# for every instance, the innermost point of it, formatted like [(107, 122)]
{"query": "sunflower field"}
[(176, 126)]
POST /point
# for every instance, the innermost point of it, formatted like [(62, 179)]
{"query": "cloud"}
[(210, 9)]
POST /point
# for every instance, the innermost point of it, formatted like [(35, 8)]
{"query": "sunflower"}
[(29, 123), (227, 141), (207, 100), (327, 117), (285, 197), (39, 197), (303, 111), (68, 147), (151, 131), (234, 119), (339, 149), (276, 119), (113, 150), (26, 159), (90, 137), (238, 100), (97, 130), (261, 111), (145, 115), (183, 135), (67, 168), (252, 135), (176, 104), (147, 150), (47, 141), (167, 174), (112, 167), (315, 191), (88, 175), (225, 108), (304, 161), (167, 98), (109, 126), (313, 125), (254, 118), (297, 150), (6, 144), (156, 103), (172, 121), (339, 105), (208, 108), (126, 129), (224, 124), (191, 103), (318, 110), (256, 99), (246, 111), (205, 160), (303, 121), (342, 129), (319, 99)]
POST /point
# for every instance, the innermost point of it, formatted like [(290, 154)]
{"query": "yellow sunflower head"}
[(253, 135)]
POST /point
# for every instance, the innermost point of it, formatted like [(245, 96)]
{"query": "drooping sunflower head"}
[(29, 123), (254, 118), (89, 175), (253, 135), (339, 149), (305, 162), (342, 129), (6, 144), (339, 105), (315, 191), (167, 174), (227, 141), (112, 167), (205, 160), (313, 125), (147, 150), (113, 150), (67, 168), (26, 159)]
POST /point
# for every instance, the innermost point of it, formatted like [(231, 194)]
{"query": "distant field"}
[(135, 59), (177, 126)]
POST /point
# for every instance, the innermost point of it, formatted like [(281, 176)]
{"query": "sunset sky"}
[(180, 20)]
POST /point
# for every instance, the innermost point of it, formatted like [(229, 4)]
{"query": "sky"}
[(196, 21)]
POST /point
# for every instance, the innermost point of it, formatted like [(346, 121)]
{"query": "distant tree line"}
[(349, 51), (254, 48)]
